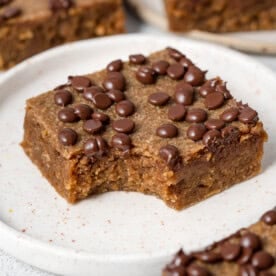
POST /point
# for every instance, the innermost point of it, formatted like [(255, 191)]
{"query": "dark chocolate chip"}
[(269, 217), (208, 257), (214, 124), (67, 115), (102, 101), (122, 142), (11, 12), (167, 131), (125, 108), (181, 259), (68, 137), (63, 97), (137, 59), (116, 95), (206, 89), (95, 147), (93, 126), (170, 155), (194, 76), (175, 71), (177, 112), (185, 62), (196, 115), (146, 75), (174, 271), (230, 115), (83, 111), (221, 87), (230, 251), (90, 92), (248, 270), (245, 256), (210, 136), (160, 67), (123, 126), (195, 132), (114, 81), (80, 82), (248, 115), (262, 260), (115, 66), (175, 54), (214, 100), (56, 5), (184, 94), (196, 270), (231, 134), (101, 117), (5, 2), (250, 240), (158, 98)]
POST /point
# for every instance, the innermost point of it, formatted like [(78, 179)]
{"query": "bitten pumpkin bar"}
[(29, 27), (153, 125), (249, 252)]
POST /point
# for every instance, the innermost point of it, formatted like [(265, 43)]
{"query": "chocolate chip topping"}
[(122, 142), (245, 256), (90, 92), (269, 217), (230, 115), (125, 108), (158, 98), (160, 67), (206, 89), (137, 59), (93, 126), (177, 112), (102, 101), (230, 251), (101, 117), (196, 270), (56, 5), (184, 94), (114, 81), (181, 259), (196, 115), (251, 241), (248, 270), (170, 155), (175, 71), (67, 115), (146, 75), (248, 115), (10, 12), (211, 136), (68, 137), (195, 132), (95, 147), (115, 66), (231, 134), (175, 54), (214, 124), (262, 260), (116, 95), (63, 97), (214, 100), (123, 126), (80, 82), (167, 131), (83, 111), (5, 2), (194, 76), (208, 257), (185, 62)]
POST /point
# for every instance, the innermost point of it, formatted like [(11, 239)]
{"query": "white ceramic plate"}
[(120, 233)]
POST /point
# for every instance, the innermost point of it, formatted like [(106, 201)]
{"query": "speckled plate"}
[(120, 233)]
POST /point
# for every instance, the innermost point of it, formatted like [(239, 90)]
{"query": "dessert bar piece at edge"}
[(152, 124), (29, 27), (221, 15), (249, 252)]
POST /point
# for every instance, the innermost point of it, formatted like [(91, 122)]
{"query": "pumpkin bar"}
[(29, 27), (249, 252), (221, 15), (153, 124)]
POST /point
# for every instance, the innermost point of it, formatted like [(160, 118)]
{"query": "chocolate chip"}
[(214, 100), (214, 124), (206, 89), (231, 134), (146, 75), (174, 271), (245, 256), (158, 98), (67, 137), (123, 125), (115, 66), (196, 115), (184, 94), (137, 59), (230, 251), (67, 115), (230, 114), (5, 2), (80, 82), (93, 126), (125, 108), (56, 5), (208, 257), (262, 260), (181, 259), (116, 95), (170, 155), (175, 71), (121, 141), (177, 112), (195, 132), (160, 67), (194, 76), (250, 240), (114, 81), (196, 270), (90, 92), (248, 270), (175, 54), (185, 62), (211, 136), (63, 97), (83, 111), (11, 12), (101, 117), (95, 147), (248, 115), (102, 101), (269, 217), (167, 131)]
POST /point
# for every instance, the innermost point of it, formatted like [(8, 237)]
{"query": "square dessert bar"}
[(29, 27), (249, 252), (153, 124)]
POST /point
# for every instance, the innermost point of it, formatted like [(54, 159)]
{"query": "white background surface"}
[(11, 267)]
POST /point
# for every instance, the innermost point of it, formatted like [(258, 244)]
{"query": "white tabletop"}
[(9, 266)]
